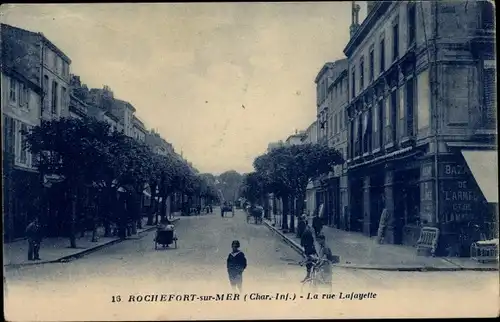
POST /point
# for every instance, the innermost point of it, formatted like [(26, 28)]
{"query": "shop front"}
[(467, 200)]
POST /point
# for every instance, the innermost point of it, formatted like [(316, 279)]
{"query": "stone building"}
[(34, 84), (331, 88), (311, 137), (139, 130), (421, 102)]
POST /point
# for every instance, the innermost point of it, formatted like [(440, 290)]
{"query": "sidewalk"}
[(360, 252), (57, 249)]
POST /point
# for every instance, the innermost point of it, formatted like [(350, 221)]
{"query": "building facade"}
[(139, 130), (337, 197), (311, 137), (420, 99), (34, 80)]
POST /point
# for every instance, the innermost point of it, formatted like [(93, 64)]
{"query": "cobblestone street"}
[(198, 266)]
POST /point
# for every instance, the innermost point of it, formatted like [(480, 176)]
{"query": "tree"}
[(73, 149), (229, 182), (288, 169)]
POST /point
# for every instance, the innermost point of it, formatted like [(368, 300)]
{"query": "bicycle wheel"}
[(309, 286)]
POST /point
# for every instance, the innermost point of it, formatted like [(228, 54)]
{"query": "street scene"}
[(249, 160), (198, 266)]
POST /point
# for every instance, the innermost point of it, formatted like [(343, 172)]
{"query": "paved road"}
[(83, 289)]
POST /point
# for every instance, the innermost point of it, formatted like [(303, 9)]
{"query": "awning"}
[(147, 194), (484, 168)]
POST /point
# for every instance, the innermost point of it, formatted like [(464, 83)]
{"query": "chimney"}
[(355, 18)]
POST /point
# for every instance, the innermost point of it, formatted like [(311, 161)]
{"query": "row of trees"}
[(111, 170), (285, 172)]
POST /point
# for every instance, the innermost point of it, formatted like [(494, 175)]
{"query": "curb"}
[(300, 250), (69, 258)]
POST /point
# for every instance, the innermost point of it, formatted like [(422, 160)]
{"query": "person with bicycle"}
[(325, 261), (307, 242)]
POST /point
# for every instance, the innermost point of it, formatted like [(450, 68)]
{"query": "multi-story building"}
[(331, 88), (139, 131), (30, 67), (158, 144), (337, 197), (295, 139), (421, 96), (311, 137), (323, 81)]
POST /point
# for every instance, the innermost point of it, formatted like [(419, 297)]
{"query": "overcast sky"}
[(189, 68)]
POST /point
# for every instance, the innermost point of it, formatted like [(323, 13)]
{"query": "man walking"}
[(34, 235), (317, 225)]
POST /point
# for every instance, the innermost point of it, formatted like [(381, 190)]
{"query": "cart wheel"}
[(175, 244)]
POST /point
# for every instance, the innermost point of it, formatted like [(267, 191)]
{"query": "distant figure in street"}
[(236, 264), (325, 262), (317, 225), (301, 225), (34, 235), (307, 241)]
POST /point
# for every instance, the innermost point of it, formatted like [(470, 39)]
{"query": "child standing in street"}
[(236, 264)]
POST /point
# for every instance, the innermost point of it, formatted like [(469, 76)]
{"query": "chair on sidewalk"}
[(428, 240)]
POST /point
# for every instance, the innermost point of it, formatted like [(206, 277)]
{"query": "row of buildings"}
[(36, 84), (412, 108)]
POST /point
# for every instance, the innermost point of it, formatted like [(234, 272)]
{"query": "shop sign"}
[(459, 194)]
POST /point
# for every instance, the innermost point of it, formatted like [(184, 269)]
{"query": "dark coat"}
[(307, 241), (236, 263), (317, 223), (34, 232)]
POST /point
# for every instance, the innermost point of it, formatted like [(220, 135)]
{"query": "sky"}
[(220, 81)]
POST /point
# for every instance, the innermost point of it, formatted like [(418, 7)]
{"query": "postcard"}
[(243, 161)]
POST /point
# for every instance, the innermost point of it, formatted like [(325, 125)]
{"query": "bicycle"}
[(314, 280)]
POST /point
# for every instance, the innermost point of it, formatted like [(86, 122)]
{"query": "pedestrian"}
[(325, 262), (236, 264), (307, 242), (34, 235), (301, 225), (317, 224)]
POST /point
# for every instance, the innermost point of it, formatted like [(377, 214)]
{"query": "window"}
[(382, 55), (63, 97), (394, 108), (487, 15), (55, 62), (13, 91), (336, 124), (412, 23), (45, 92), (341, 122), (361, 74), (45, 56), (23, 95), (54, 97), (395, 42), (410, 88), (353, 83), (23, 153), (372, 63), (375, 125)]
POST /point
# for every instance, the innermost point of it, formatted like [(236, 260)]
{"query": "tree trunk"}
[(139, 211), (72, 220), (292, 214), (284, 219), (152, 205), (163, 210)]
